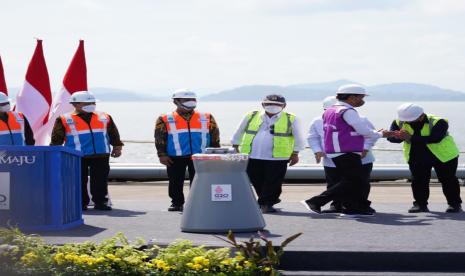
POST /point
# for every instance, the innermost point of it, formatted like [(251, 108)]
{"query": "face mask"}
[(89, 108), (5, 108), (273, 109), (189, 105)]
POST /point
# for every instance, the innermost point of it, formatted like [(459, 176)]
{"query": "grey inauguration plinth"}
[(221, 197)]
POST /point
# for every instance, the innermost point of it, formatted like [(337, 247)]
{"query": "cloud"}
[(442, 7), (302, 7)]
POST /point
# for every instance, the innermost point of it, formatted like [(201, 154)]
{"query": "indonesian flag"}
[(35, 97), (3, 87), (75, 80)]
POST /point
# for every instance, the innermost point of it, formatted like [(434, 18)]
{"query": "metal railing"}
[(229, 145)]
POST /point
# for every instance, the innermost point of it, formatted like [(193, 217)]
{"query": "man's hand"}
[(165, 160), (236, 148), (364, 153), (318, 156), (294, 159), (387, 133), (116, 152), (403, 135)]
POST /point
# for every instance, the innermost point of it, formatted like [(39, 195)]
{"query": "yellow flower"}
[(226, 262), (160, 264), (197, 266), (239, 267), (239, 258), (59, 258), (198, 259), (110, 256), (267, 269), (200, 262), (100, 260), (70, 257), (29, 258), (247, 264)]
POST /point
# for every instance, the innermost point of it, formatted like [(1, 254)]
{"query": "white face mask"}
[(273, 109), (89, 108), (189, 105), (5, 108)]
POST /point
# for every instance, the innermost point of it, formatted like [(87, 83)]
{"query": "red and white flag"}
[(75, 80), (35, 97), (3, 87)]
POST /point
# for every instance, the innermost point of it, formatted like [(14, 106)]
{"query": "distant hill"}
[(322, 85), (318, 91), (413, 92), (297, 92)]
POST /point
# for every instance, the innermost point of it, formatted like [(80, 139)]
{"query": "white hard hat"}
[(82, 97), (4, 98), (184, 94), (329, 101), (352, 89), (409, 112)]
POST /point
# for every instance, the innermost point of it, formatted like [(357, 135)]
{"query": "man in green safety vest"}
[(427, 144), (272, 138)]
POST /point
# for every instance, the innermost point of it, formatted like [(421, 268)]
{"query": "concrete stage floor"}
[(392, 240)]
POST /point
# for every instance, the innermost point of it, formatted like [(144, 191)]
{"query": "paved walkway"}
[(424, 242), (140, 211)]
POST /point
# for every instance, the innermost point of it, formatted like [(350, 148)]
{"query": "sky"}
[(156, 46)]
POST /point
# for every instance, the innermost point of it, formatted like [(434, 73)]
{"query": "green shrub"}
[(22, 254)]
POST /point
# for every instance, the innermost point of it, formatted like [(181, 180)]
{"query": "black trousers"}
[(267, 178), (98, 168), (176, 174), (446, 172), (349, 190), (332, 178)]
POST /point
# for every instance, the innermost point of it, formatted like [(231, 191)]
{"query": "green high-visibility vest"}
[(283, 139), (445, 150)]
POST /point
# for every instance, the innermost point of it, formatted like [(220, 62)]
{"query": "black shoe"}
[(416, 208), (454, 209), (352, 213), (267, 209), (175, 208), (84, 208), (102, 207), (312, 207), (371, 210), (332, 210)]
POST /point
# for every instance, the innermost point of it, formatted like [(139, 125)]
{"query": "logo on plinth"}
[(17, 160), (221, 192), (4, 191)]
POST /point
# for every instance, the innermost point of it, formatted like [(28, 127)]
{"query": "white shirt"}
[(262, 145), (360, 126), (316, 142)]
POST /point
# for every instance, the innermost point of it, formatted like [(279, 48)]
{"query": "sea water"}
[(136, 123)]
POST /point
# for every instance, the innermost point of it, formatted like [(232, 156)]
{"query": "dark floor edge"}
[(373, 261)]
